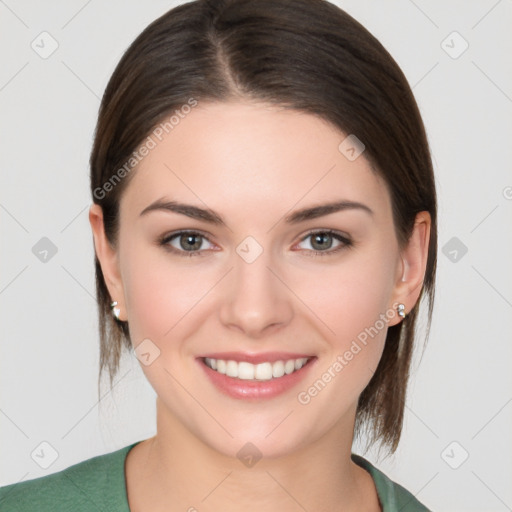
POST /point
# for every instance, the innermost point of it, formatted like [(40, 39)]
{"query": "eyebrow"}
[(325, 209), (207, 215)]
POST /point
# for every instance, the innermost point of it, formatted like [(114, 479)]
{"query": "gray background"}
[(460, 403)]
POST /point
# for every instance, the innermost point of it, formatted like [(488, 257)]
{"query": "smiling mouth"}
[(244, 370)]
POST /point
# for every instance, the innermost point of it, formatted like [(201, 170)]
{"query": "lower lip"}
[(254, 389)]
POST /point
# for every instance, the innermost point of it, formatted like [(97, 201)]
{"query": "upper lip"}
[(263, 357)]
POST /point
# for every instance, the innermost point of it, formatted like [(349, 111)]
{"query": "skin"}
[(254, 164)]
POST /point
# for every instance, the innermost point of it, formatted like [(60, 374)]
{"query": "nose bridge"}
[(256, 299), (255, 276)]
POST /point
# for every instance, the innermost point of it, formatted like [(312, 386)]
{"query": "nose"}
[(255, 300)]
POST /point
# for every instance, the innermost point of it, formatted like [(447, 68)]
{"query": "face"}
[(247, 236)]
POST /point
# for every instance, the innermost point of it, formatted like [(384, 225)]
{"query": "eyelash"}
[(345, 243)]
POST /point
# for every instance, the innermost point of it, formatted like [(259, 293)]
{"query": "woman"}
[(264, 222)]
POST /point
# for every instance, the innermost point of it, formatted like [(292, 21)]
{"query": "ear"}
[(108, 258), (411, 270)]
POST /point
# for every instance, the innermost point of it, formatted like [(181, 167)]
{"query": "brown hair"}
[(306, 55)]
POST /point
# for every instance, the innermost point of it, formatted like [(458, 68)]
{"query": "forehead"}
[(251, 156)]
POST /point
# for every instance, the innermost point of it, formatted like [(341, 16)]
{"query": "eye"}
[(321, 243), (184, 242)]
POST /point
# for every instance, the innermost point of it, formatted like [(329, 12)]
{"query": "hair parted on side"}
[(305, 55)]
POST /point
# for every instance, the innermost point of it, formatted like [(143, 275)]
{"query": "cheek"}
[(160, 295), (350, 297), (350, 302)]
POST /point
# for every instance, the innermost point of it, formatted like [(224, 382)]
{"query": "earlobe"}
[(107, 256), (414, 262)]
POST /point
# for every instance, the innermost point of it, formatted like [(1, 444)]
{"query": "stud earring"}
[(401, 310), (115, 311)]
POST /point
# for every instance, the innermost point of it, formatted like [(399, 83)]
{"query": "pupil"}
[(321, 240), (190, 242)]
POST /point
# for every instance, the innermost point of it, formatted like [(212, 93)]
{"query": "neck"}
[(175, 470)]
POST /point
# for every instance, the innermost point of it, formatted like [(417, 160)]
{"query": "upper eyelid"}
[(173, 234), (341, 234)]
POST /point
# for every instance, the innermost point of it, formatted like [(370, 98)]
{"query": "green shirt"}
[(98, 485)]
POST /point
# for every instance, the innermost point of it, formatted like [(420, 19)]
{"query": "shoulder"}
[(393, 497), (96, 484)]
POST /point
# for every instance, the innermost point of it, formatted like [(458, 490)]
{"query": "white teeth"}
[(245, 371), (278, 369), (262, 371), (232, 369), (289, 366), (221, 365)]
